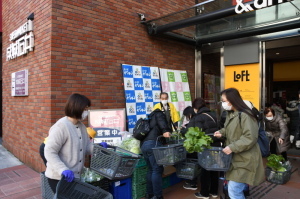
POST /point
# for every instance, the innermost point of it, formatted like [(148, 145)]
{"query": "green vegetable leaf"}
[(196, 140)]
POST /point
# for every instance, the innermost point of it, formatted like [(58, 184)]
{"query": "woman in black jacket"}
[(159, 126), (205, 120)]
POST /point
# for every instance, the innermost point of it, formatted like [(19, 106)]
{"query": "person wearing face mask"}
[(277, 132), (204, 119), (169, 110), (241, 140), (68, 142)]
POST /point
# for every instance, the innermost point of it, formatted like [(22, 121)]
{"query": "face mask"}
[(270, 118), (164, 102), (84, 115), (226, 106)]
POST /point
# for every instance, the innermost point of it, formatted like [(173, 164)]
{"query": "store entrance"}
[(283, 79)]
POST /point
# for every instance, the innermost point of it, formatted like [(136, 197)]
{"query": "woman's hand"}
[(227, 150), (280, 141), (167, 134), (217, 134)]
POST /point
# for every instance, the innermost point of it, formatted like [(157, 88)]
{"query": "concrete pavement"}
[(7, 159)]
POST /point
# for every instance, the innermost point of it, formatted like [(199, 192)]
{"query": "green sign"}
[(187, 96), (184, 77), (174, 96), (171, 77)]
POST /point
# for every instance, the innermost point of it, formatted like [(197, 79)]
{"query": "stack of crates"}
[(139, 180)]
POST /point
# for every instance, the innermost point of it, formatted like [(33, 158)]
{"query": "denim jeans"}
[(154, 174), (236, 190)]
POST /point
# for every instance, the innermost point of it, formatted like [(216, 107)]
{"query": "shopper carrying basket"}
[(241, 140), (159, 126), (205, 120), (68, 142)]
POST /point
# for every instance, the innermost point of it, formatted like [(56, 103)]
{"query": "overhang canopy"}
[(217, 20)]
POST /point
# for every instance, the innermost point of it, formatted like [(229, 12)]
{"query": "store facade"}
[(238, 44), (63, 47)]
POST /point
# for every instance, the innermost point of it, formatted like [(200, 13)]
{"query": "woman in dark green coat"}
[(241, 139)]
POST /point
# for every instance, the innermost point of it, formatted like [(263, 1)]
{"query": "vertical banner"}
[(175, 83), (246, 79), (142, 89), (107, 123)]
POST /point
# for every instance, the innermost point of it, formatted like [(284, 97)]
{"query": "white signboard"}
[(19, 83)]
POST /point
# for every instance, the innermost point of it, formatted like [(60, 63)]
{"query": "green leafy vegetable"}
[(196, 140), (132, 145), (275, 162)]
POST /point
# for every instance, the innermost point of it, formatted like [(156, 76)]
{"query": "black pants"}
[(42, 148), (273, 149), (209, 181), (53, 184)]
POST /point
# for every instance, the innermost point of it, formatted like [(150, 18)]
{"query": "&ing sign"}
[(257, 4)]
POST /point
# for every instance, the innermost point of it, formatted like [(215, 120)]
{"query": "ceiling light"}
[(277, 53)]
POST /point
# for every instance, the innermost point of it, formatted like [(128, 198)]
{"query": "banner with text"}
[(142, 90), (107, 123), (176, 84)]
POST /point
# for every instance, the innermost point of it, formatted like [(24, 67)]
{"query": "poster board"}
[(176, 84), (245, 78), (142, 90), (107, 123)]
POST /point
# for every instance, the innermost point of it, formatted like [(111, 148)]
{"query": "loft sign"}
[(23, 41), (257, 4), (243, 76)]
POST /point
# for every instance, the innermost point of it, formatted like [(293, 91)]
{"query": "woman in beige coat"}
[(277, 132), (241, 139)]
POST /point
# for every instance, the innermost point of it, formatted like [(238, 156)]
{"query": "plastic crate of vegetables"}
[(214, 159), (189, 169), (278, 170), (113, 163)]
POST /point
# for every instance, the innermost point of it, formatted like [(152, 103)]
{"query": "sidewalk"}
[(18, 181)]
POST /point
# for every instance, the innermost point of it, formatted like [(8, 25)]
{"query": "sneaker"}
[(190, 187), (213, 195), (198, 195)]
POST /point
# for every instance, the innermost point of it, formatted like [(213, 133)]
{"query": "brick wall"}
[(26, 120), (80, 46)]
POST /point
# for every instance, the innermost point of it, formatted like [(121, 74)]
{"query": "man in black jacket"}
[(159, 127)]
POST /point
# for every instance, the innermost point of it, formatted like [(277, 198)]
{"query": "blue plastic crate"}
[(121, 189), (174, 179)]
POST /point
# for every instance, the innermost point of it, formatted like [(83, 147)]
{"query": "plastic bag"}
[(88, 175), (131, 144)]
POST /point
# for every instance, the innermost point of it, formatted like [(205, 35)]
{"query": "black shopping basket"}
[(189, 169), (214, 159), (170, 154), (72, 190), (113, 163)]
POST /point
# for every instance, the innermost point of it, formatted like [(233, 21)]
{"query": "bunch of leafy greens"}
[(275, 162), (196, 140)]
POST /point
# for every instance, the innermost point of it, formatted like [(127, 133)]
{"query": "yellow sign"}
[(245, 78)]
